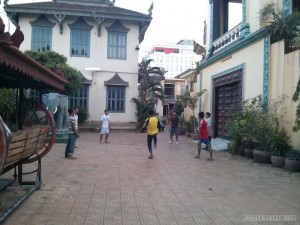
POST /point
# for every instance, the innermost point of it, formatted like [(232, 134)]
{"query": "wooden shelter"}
[(35, 129)]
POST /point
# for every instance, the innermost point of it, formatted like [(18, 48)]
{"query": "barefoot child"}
[(203, 136)]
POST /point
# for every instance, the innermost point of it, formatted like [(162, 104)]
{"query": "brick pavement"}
[(116, 184)]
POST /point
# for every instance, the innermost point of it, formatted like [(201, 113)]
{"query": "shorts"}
[(173, 131), (204, 141), (104, 130)]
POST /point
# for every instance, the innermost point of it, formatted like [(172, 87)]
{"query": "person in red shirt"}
[(203, 136)]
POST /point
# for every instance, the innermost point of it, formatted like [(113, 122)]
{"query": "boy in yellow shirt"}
[(153, 126)]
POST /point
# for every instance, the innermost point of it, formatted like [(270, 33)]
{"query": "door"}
[(225, 97), (227, 91)]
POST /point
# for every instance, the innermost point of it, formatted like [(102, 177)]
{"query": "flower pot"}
[(195, 136), (188, 134), (181, 131), (261, 156), (278, 161), (241, 150), (249, 153), (292, 165)]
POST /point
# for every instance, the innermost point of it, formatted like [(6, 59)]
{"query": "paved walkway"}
[(116, 184)]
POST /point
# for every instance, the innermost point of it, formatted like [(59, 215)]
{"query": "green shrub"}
[(82, 116)]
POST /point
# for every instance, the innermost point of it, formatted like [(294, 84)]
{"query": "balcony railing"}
[(227, 38)]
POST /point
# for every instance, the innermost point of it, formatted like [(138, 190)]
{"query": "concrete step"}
[(94, 126)]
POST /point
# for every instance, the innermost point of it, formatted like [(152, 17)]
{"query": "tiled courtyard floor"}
[(116, 184)]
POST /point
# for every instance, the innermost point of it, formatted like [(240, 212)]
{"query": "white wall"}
[(252, 57), (127, 69)]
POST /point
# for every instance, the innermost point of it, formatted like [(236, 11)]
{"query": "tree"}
[(149, 78), (7, 105), (191, 101), (150, 90), (296, 98), (280, 26), (284, 27), (142, 109), (58, 64)]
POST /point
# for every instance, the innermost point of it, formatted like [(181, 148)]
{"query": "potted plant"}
[(280, 145), (248, 124), (191, 101), (292, 161), (281, 26), (188, 126), (232, 147), (269, 134), (194, 122), (181, 124), (264, 130), (233, 128)]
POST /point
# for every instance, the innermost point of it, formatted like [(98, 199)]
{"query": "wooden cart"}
[(35, 126)]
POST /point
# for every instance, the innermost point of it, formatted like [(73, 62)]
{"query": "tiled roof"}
[(78, 10), (184, 73), (19, 71)]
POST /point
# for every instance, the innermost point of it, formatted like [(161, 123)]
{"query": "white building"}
[(174, 58), (98, 39)]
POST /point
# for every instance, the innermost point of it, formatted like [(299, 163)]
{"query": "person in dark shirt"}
[(72, 135), (174, 120)]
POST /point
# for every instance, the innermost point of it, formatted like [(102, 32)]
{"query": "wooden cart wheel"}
[(3, 145), (34, 113)]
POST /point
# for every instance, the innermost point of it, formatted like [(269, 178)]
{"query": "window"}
[(116, 45), (80, 38), (117, 41), (80, 98), (191, 87), (34, 95), (41, 39), (169, 90), (182, 89), (41, 34), (115, 98), (80, 42)]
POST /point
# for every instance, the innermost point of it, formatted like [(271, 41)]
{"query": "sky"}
[(173, 20)]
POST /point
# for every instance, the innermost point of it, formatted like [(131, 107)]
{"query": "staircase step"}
[(93, 126)]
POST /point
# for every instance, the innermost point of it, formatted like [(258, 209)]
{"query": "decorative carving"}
[(99, 21), (16, 39), (211, 8), (4, 36), (266, 72), (150, 9), (60, 18), (143, 28), (287, 7), (244, 6)]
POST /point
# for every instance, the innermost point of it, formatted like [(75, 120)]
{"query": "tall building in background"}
[(174, 58)]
